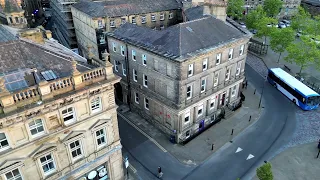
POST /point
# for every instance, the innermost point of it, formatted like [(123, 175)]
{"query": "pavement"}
[(199, 149), (299, 163)]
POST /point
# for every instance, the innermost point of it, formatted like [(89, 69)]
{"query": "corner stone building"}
[(58, 118), (180, 78)]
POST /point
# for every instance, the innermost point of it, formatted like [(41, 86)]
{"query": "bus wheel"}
[(294, 101)]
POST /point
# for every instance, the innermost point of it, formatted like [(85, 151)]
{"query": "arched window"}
[(17, 20), (10, 20)]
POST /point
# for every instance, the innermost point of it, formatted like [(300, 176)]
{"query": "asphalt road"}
[(274, 128)]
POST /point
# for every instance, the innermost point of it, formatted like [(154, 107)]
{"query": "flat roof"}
[(293, 82)]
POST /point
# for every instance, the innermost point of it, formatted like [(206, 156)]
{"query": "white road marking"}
[(238, 150), (146, 135), (250, 156), (130, 166)]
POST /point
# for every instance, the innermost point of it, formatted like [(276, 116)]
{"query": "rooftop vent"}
[(48, 75)]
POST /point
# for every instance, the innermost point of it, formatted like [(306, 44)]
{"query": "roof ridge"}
[(200, 19)]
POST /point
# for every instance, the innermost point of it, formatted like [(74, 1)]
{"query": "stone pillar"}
[(45, 91), (77, 80), (48, 34), (6, 98), (108, 66)]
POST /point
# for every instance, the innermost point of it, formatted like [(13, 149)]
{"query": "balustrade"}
[(61, 83), (26, 94), (94, 74)]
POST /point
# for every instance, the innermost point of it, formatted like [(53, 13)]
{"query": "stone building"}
[(312, 6), (12, 14), (63, 23), (289, 7), (180, 78), (92, 20), (58, 117)]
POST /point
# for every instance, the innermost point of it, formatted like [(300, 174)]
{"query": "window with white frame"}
[(112, 24), (116, 68), (218, 59), (68, 115), (161, 16), (48, 165), (241, 49), (13, 175), (161, 27), (230, 54), (146, 103), (76, 150), (143, 19), (216, 79), (188, 134), (124, 70), (96, 104), (145, 80), (122, 50), (187, 116), (203, 85), (153, 17), (135, 75), (123, 20), (233, 91), (170, 15), (189, 91), (114, 47), (136, 98), (200, 110), (36, 127), (133, 20), (144, 59), (227, 74), (3, 142), (190, 70), (101, 137), (205, 64), (212, 101), (238, 68), (134, 57)]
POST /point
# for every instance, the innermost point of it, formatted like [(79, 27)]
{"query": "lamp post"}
[(262, 92)]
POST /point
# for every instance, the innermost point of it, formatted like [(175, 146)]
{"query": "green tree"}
[(254, 17), (303, 53), (235, 9), (301, 20), (264, 172), (272, 7), (281, 39), (262, 29)]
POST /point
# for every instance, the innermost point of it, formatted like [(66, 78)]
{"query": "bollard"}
[(232, 132), (250, 118), (254, 91), (212, 147)]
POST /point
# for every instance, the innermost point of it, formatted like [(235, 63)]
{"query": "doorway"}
[(223, 98), (118, 92)]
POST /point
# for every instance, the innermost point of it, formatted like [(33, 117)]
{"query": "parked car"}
[(253, 31), (281, 25), (242, 24), (286, 22), (272, 25), (299, 33)]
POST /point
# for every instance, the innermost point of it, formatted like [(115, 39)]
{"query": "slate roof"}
[(179, 41), (116, 8), (194, 13), (5, 35)]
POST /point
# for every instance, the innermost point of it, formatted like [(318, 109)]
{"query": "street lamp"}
[(264, 81)]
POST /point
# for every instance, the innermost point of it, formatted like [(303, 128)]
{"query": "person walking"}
[(160, 173)]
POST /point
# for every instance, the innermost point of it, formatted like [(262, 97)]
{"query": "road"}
[(274, 128)]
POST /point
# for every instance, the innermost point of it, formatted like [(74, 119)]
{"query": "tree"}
[(281, 39), (272, 7), (264, 172), (301, 20), (303, 53), (235, 9), (262, 29), (254, 17)]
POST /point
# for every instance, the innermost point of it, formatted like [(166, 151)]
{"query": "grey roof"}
[(179, 40), (194, 13), (312, 2), (116, 8), (5, 35), (21, 54)]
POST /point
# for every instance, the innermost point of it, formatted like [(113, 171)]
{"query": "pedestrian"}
[(160, 173), (246, 84)]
